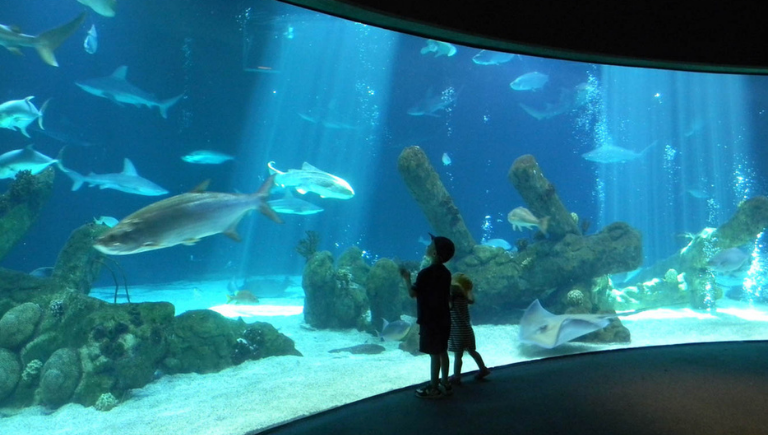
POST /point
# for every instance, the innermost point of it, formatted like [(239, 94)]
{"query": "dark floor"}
[(697, 389)]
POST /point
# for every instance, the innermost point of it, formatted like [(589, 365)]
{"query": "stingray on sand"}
[(542, 328)]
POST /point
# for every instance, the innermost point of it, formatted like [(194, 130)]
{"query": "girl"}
[(462, 336)]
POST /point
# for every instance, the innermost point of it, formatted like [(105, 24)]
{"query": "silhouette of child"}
[(462, 335), (432, 292)]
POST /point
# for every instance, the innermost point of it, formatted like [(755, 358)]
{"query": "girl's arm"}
[(470, 297)]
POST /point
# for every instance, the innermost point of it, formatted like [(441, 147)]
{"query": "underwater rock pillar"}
[(540, 197), (438, 207), (750, 219), (78, 264), (20, 206)]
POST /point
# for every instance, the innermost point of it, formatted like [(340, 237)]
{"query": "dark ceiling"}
[(716, 36)]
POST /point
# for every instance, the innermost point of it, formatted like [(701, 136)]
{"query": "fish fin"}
[(128, 168), (23, 130), (543, 224), (264, 207), (120, 73), (265, 187), (232, 233), (42, 112), (15, 51), (307, 167), (48, 41), (165, 105), (202, 187), (301, 190), (190, 242), (229, 298)]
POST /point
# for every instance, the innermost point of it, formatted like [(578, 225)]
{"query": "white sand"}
[(258, 394)]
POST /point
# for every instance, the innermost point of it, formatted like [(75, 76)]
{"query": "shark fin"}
[(232, 233), (272, 169), (264, 207), (120, 73), (128, 168), (202, 187), (165, 105), (15, 51), (48, 41), (307, 167), (76, 184), (190, 242)]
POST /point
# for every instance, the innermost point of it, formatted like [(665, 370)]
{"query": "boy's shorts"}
[(433, 340)]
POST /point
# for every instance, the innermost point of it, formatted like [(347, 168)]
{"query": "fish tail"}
[(42, 112), (272, 169), (229, 298), (165, 105), (543, 224), (48, 41), (263, 193)]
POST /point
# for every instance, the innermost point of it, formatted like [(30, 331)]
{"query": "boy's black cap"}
[(444, 247)]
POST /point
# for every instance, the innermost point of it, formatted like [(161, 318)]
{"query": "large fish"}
[(18, 114), (128, 181), (609, 153), (531, 81), (490, 57), (25, 159), (521, 218), (430, 104), (45, 43), (115, 87), (102, 7), (184, 219), (289, 204), (440, 48), (311, 179)]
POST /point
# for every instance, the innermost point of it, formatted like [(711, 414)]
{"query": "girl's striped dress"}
[(462, 335)]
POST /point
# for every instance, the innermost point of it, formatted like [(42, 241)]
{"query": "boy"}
[(432, 292)]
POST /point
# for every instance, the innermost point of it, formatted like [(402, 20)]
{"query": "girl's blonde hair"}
[(463, 281)]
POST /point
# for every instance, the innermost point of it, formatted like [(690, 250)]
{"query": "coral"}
[(106, 402), (386, 292), (308, 245), (59, 378), (327, 304), (18, 325), (32, 371), (56, 309), (575, 298), (352, 260), (671, 277), (10, 373)]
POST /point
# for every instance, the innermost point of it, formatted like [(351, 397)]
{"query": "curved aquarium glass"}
[(207, 209)]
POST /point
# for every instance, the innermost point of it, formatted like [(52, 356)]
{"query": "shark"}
[(25, 159), (311, 179), (440, 48), (18, 114), (45, 43), (431, 104), (289, 204), (104, 8), (184, 219), (609, 153), (116, 88), (128, 181)]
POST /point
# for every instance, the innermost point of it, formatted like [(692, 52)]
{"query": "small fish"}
[(531, 81), (446, 159), (394, 331), (206, 157), (439, 48), (242, 297), (521, 218), (498, 243), (91, 43), (361, 349), (25, 159), (18, 114), (42, 272), (728, 260), (106, 220), (489, 57)]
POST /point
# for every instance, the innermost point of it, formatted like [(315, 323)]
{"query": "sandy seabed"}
[(259, 394)]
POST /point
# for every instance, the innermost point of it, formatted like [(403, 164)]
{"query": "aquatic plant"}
[(32, 371), (308, 245), (106, 402), (57, 309)]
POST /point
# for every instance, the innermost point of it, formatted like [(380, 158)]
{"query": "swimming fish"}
[(529, 81), (439, 48), (91, 42), (727, 260), (240, 297), (25, 159), (104, 8), (394, 331), (45, 43), (18, 114), (609, 153), (105, 220), (311, 179), (446, 159), (490, 57), (184, 219), (498, 243), (521, 218), (206, 157)]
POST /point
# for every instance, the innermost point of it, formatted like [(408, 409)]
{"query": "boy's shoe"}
[(446, 388), (429, 392), (483, 373)]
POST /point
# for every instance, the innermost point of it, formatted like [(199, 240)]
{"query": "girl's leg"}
[(478, 359), (457, 363)]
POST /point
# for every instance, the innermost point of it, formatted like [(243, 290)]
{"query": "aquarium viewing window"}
[(594, 207)]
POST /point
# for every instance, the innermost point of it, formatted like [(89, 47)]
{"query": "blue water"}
[(707, 132)]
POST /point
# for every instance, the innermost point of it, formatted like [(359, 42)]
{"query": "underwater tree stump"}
[(437, 205), (541, 198), (20, 206), (78, 264)]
